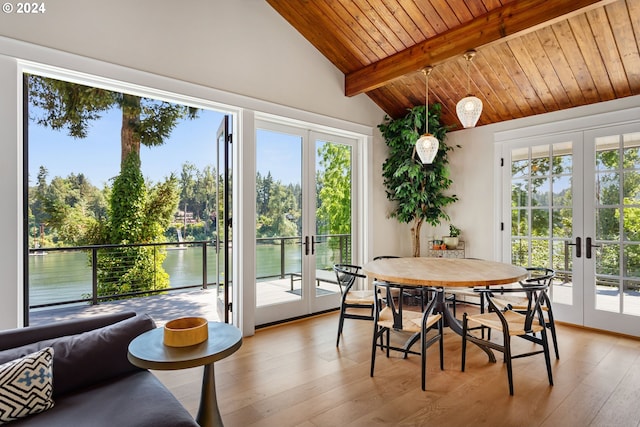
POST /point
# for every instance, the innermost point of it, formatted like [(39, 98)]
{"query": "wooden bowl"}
[(186, 331)]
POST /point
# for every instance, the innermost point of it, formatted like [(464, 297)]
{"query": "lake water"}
[(63, 276)]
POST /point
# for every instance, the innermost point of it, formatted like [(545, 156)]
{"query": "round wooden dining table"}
[(445, 272)]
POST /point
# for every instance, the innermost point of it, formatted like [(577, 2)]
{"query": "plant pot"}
[(451, 242)]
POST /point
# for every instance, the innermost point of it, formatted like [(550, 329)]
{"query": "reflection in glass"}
[(631, 224), (607, 153), (563, 164), (608, 259), (519, 252), (631, 297), (519, 222), (631, 142), (520, 162), (540, 189), (631, 260), (607, 224), (631, 187), (562, 260), (519, 192), (562, 222), (607, 294), (607, 188), (540, 223), (540, 253), (562, 195), (540, 160)]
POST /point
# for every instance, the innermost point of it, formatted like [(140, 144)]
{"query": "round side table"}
[(149, 352)]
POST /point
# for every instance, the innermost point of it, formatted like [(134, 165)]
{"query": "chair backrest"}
[(346, 274), (391, 295), (540, 275), (536, 293)]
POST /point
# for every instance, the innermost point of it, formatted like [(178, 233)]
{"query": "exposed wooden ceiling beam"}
[(512, 19)]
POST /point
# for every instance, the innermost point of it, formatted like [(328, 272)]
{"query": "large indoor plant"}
[(418, 190)]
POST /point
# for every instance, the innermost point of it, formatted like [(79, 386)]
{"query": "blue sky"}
[(98, 155)]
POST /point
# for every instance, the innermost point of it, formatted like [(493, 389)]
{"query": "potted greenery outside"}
[(452, 239), (418, 190)]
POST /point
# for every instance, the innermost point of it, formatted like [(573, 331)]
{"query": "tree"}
[(72, 107), (334, 192), (136, 216), (418, 190)]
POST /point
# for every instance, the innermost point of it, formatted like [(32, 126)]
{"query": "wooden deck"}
[(198, 302)]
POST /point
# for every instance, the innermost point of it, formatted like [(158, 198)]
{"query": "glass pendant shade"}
[(469, 110), (427, 148)]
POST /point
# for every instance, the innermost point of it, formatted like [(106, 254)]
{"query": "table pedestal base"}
[(455, 325), (208, 412)]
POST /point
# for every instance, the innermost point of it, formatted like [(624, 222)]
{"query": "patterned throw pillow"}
[(26, 385)]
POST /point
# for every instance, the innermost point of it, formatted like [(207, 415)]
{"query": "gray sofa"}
[(94, 384)]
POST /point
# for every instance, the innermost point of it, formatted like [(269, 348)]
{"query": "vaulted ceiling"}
[(533, 56)]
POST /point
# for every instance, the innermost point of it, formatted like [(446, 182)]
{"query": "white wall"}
[(239, 53)]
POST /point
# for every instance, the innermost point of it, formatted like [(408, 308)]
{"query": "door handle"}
[(578, 245), (313, 245), (590, 245), (306, 245)]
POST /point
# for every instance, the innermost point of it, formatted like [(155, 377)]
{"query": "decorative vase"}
[(451, 242)]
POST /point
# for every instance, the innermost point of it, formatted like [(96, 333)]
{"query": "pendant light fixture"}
[(427, 145), (470, 107)]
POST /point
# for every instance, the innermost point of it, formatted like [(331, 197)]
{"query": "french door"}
[(223, 241), (575, 207), (304, 214)]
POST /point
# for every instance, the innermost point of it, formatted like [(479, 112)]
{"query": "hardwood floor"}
[(293, 375)]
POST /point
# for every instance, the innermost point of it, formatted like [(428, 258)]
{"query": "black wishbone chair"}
[(519, 303), (526, 324), (352, 299), (389, 315)]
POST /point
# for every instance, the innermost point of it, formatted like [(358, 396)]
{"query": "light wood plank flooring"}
[(293, 375)]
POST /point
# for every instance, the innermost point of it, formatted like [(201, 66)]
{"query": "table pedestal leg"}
[(208, 412), (455, 325)]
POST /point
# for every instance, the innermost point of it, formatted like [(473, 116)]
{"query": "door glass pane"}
[(520, 162), (562, 222), (607, 224), (632, 297), (540, 222), (333, 209), (542, 178), (278, 217), (519, 222), (519, 192), (618, 223)]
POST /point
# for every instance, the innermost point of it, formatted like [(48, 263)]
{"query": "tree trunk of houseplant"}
[(415, 235)]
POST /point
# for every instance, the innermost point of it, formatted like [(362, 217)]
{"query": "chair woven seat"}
[(359, 297), (515, 320), (411, 320)]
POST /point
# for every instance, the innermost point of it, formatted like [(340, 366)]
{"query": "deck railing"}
[(277, 257)]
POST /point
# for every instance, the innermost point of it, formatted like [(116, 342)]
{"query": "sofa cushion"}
[(84, 359), (26, 385), (22, 336), (138, 399)]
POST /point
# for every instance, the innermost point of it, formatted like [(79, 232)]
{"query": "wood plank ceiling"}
[(533, 56)]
